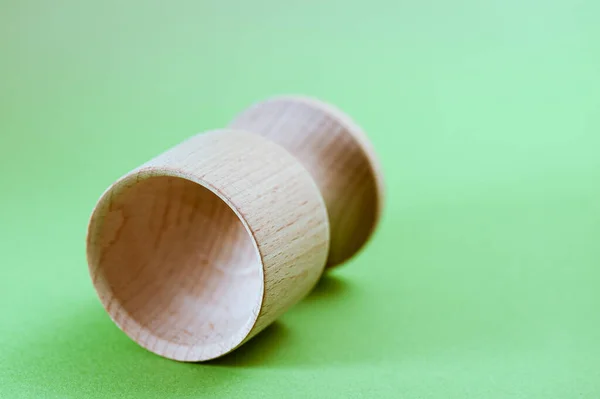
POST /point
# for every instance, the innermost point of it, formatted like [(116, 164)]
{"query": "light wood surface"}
[(337, 154), (199, 249)]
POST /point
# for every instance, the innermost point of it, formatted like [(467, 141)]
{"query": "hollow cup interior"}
[(175, 266)]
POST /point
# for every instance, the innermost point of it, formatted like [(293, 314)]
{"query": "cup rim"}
[(123, 319)]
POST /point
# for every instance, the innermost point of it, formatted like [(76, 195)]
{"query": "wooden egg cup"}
[(199, 249)]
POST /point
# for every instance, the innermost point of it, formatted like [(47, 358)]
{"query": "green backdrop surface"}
[(483, 279)]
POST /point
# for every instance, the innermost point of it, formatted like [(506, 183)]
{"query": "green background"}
[(483, 279)]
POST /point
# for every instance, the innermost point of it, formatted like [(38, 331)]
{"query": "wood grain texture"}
[(199, 249), (337, 154)]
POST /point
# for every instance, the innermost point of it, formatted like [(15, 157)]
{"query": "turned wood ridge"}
[(198, 250)]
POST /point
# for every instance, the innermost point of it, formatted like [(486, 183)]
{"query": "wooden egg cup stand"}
[(201, 248)]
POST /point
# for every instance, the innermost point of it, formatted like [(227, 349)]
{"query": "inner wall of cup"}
[(176, 261)]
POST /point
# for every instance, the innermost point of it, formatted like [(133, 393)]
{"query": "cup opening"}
[(175, 266)]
